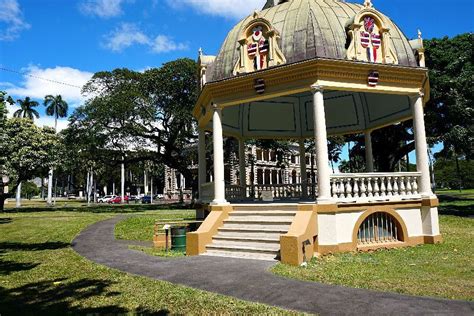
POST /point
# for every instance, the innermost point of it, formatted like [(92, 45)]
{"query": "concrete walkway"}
[(250, 280)]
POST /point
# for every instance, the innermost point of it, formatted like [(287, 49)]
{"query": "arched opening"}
[(379, 228)]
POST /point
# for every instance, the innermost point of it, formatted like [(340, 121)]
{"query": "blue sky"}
[(67, 41)]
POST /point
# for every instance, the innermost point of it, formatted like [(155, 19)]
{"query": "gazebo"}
[(303, 69)]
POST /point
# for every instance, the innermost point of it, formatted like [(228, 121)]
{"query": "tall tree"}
[(26, 109), (28, 148), (55, 106), (142, 116)]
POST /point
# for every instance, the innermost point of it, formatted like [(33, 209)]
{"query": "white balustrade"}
[(357, 187)]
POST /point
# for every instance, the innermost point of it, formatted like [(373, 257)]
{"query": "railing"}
[(279, 191), (207, 192), (234, 192), (352, 187)]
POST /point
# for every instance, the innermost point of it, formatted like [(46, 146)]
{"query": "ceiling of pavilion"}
[(292, 116)]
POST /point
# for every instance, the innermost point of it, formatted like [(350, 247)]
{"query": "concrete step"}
[(265, 207), (245, 247), (240, 255), (250, 234), (245, 238), (258, 226), (264, 220), (263, 213), (255, 229)]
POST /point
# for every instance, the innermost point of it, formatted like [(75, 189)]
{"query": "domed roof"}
[(308, 29)]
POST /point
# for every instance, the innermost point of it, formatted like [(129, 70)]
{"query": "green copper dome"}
[(308, 29)]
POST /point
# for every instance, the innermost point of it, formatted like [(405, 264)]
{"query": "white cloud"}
[(225, 8), (124, 36), (11, 20), (128, 34), (163, 43), (39, 82), (102, 8)]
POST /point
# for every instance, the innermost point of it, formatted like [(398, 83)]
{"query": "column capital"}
[(215, 106), (317, 88), (419, 94)]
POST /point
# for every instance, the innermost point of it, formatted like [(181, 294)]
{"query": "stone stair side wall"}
[(197, 241)]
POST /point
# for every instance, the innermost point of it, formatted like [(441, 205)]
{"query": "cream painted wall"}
[(412, 220), (430, 219)]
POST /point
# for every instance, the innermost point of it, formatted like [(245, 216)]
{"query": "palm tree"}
[(27, 109), (55, 106)]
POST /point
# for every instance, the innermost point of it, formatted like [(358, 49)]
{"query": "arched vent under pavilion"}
[(379, 228)]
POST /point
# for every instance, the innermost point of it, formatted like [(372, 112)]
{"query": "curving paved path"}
[(249, 280)]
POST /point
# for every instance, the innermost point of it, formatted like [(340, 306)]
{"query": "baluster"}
[(415, 185), (362, 188), (389, 186), (409, 187), (334, 188), (376, 187), (402, 186), (369, 187), (395, 186), (356, 187), (383, 188), (348, 188)]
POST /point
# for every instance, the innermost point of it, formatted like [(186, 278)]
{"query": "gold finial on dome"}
[(368, 4)]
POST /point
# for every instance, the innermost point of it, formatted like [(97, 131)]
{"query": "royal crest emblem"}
[(258, 50), (369, 39)]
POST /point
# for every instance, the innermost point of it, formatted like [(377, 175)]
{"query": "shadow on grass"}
[(127, 208), (5, 220), (456, 205), (8, 267), (60, 297), (15, 246)]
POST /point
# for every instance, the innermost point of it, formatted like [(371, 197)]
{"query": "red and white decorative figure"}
[(373, 79), (370, 40), (258, 50)]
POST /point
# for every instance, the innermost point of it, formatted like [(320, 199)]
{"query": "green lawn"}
[(142, 227), (443, 270), (41, 274)]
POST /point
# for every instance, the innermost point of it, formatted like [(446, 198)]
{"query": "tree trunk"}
[(50, 187), (458, 171), (18, 195)]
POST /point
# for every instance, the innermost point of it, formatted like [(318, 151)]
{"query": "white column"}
[(122, 184), (304, 176), (322, 160), (242, 169), (113, 188), (145, 183), (421, 147), (202, 160), (50, 187), (151, 190), (18, 195), (369, 158), (218, 146)]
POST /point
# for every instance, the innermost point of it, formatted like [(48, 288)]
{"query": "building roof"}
[(308, 29)]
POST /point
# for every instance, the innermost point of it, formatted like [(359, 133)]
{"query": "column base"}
[(219, 202), (325, 201)]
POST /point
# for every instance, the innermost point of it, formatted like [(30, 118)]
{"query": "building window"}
[(379, 228)]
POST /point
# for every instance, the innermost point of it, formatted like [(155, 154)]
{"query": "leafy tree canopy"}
[(144, 116)]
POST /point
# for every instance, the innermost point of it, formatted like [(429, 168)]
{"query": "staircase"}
[(252, 231)]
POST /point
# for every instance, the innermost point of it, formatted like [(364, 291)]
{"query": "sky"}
[(55, 46)]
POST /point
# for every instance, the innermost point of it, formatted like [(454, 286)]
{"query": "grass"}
[(41, 274), (444, 270), (142, 227), (160, 252)]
